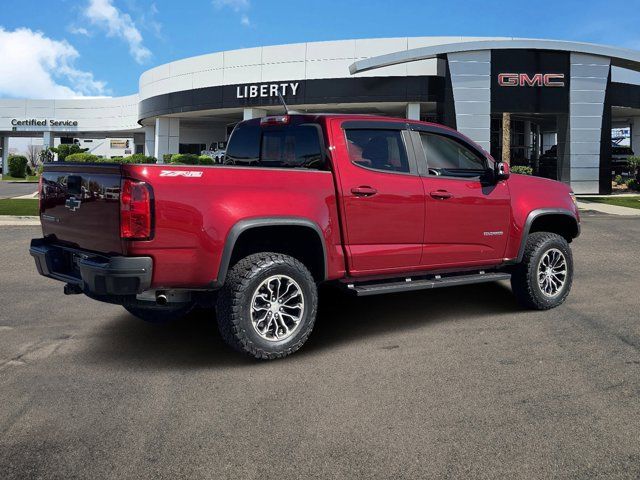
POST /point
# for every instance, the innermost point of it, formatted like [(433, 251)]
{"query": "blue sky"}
[(65, 48)]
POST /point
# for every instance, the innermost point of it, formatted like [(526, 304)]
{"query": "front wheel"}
[(543, 279), (267, 307)]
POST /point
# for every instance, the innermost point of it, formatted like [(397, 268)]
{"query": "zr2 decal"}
[(181, 173)]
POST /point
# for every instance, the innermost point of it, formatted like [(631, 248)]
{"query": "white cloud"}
[(238, 6), (78, 30), (103, 14), (35, 66)]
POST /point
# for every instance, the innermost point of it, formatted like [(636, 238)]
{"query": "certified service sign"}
[(34, 122)]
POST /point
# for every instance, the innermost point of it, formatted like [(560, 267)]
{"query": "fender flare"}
[(540, 212), (248, 224)]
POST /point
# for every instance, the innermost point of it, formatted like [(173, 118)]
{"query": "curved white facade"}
[(298, 61)]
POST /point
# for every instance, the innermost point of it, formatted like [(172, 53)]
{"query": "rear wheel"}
[(158, 314), (267, 307), (543, 279)]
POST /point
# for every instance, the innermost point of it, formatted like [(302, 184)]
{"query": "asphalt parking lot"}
[(453, 383), (16, 189)]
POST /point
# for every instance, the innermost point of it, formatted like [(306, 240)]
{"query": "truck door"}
[(383, 207), (467, 214)]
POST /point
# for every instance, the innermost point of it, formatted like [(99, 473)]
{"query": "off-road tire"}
[(524, 277), (158, 314), (233, 308)]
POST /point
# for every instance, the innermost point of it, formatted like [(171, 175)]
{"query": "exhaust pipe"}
[(161, 298), (72, 289)]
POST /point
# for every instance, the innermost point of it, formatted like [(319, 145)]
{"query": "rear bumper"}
[(94, 274)]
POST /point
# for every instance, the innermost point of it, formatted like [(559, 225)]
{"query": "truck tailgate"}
[(81, 206)]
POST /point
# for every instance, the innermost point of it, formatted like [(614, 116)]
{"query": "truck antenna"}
[(284, 104)]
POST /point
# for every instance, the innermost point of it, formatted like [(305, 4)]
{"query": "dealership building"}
[(564, 98)]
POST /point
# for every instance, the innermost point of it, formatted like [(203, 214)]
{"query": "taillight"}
[(275, 120), (135, 210)]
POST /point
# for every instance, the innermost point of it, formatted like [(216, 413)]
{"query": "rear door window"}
[(378, 149)]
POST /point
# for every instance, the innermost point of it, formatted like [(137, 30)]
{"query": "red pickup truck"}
[(372, 204)]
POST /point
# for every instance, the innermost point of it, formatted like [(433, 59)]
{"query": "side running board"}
[(435, 281)]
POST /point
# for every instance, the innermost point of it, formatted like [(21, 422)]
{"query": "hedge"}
[(184, 158), (191, 159), (89, 158), (522, 170), (82, 158), (18, 166)]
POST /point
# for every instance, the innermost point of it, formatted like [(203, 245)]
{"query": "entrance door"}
[(467, 216), (382, 198)]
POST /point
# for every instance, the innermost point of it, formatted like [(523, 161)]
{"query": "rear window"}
[(296, 146), (378, 149)]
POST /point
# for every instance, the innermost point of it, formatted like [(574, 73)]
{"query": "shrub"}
[(522, 170), (618, 180), (185, 158), (139, 158), (205, 160), (633, 184), (166, 158), (18, 166), (82, 158), (67, 149)]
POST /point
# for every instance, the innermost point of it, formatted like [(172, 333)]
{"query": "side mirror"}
[(502, 171)]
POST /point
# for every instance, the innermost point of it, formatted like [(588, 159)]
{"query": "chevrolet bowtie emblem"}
[(72, 204)]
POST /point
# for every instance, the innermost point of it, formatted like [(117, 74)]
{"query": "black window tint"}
[(295, 146), (378, 149), (446, 156), (244, 145), (291, 147)]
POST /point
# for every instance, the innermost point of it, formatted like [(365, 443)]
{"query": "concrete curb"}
[(29, 196), (18, 221), (608, 209)]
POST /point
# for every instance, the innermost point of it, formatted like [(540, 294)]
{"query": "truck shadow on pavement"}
[(342, 319)]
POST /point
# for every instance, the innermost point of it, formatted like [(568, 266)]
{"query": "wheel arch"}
[(554, 220), (245, 230)]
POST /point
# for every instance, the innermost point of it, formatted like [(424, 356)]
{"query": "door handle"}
[(363, 191), (441, 194)]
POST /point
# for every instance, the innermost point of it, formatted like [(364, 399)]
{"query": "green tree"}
[(66, 149)]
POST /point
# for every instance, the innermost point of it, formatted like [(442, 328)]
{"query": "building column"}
[(5, 155), (413, 111), (471, 84), (149, 141), (47, 140), (587, 89), (167, 137), (635, 135), (249, 113)]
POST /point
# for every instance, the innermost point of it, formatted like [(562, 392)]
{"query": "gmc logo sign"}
[(535, 80)]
